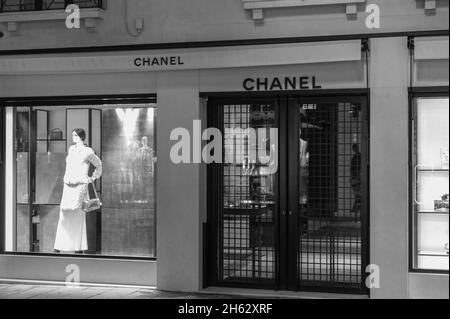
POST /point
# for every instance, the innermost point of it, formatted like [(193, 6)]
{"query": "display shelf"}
[(331, 219), (432, 170), (257, 202), (252, 206), (432, 212), (258, 175), (245, 210), (240, 164), (432, 253)]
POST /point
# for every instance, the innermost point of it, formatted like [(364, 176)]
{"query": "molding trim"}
[(222, 43), (12, 19), (258, 6)]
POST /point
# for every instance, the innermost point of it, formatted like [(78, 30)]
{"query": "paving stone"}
[(34, 292), (23, 291)]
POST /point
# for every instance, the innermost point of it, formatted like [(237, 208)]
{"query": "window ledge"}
[(258, 6), (12, 19)]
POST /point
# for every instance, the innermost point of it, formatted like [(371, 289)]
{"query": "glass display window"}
[(63, 156), (430, 191)]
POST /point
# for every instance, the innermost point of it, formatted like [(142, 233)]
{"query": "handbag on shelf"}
[(56, 134), (92, 204)]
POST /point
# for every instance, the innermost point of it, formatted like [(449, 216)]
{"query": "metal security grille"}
[(247, 218), (330, 195), (303, 225)]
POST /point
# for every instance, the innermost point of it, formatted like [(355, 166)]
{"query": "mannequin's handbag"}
[(56, 134), (92, 204)]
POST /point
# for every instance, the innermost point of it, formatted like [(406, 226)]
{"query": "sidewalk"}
[(32, 291)]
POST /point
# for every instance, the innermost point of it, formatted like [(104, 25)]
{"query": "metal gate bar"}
[(330, 224)]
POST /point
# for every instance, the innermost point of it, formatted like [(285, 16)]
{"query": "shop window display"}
[(430, 183), (120, 165)]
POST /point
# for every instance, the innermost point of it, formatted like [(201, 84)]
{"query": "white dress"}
[(71, 233)]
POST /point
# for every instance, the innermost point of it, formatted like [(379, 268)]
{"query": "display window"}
[(430, 184), (80, 179)]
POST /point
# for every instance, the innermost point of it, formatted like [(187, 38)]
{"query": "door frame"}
[(293, 189), (213, 199), (215, 195), (2, 177)]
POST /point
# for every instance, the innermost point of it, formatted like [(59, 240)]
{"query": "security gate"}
[(287, 206)]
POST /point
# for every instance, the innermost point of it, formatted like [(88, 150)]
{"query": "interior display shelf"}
[(432, 212), (245, 210), (257, 175), (331, 218), (433, 253), (248, 206), (240, 164), (432, 169), (51, 140)]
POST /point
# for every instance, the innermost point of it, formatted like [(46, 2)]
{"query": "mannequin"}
[(304, 162), (355, 177), (71, 232), (144, 169)]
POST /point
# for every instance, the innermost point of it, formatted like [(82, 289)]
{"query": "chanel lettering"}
[(280, 84), (158, 61)]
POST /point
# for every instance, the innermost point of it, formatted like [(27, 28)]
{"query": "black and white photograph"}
[(225, 155)]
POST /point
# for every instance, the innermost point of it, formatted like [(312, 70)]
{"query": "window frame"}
[(413, 94), (61, 101), (39, 6)]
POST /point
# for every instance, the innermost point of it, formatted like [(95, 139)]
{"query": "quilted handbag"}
[(56, 134), (91, 205)]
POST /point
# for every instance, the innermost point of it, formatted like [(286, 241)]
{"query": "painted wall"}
[(121, 272), (77, 84), (213, 20), (177, 186), (389, 165), (428, 286)]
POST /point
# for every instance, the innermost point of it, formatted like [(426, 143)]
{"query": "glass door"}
[(328, 193), (288, 210), (245, 190), (430, 159)]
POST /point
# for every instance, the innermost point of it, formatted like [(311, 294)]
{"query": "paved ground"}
[(29, 291)]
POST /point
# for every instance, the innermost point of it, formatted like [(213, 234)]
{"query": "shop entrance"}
[(287, 208)]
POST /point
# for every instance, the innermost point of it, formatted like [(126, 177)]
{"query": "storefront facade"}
[(330, 198)]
